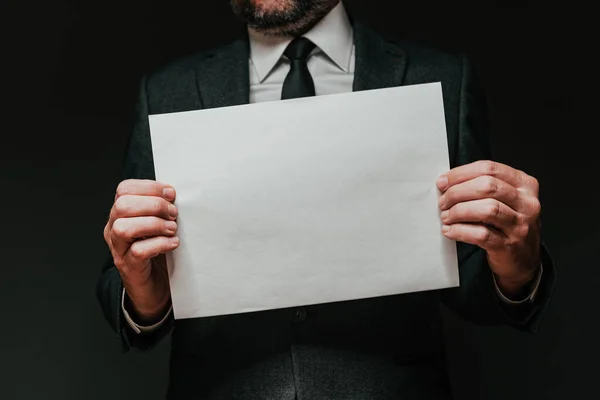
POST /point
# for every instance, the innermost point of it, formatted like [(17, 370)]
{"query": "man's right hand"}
[(140, 231)]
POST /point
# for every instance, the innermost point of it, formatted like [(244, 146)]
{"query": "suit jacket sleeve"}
[(476, 299), (138, 165)]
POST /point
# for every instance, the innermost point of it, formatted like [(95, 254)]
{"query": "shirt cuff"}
[(141, 328), (532, 293)]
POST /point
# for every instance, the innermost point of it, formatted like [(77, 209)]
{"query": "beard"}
[(282, 17)]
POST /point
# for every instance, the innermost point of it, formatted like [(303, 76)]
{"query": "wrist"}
[(148, 305), (516, 286), (146, 315)]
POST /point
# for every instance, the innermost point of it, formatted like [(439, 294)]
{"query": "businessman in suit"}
[(381, 348)]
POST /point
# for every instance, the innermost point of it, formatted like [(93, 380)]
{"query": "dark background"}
[(69, 74)]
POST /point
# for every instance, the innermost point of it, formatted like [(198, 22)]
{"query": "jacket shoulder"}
[(172, 70), (173, 85), (428, 62)]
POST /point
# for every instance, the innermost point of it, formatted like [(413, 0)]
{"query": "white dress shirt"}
[(331, 65)]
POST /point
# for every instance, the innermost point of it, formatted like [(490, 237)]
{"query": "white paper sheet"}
[(306, 201)]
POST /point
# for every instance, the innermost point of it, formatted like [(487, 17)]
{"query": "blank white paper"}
[(306, 201)]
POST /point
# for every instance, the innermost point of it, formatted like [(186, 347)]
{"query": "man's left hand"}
[(497, 208)]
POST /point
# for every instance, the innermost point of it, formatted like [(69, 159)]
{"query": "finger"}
[(486, 211), (141, 251), (145, 187), (128, 206), (482, 187), (476, 169), (476, 234), (125, 231)]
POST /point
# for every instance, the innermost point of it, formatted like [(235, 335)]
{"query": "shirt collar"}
[(332, 35)]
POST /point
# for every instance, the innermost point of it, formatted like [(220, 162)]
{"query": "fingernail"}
[(442, 182), (444, 215), (169, 193), (172, 211), (171, 226), (175, 240), (445, 228), (442, 202)]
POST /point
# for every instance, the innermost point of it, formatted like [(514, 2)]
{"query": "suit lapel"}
[(379, 63), (223, 76)]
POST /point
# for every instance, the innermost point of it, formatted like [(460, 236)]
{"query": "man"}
[(382, 348)]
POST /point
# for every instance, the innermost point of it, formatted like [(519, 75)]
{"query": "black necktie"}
[(298, 82)]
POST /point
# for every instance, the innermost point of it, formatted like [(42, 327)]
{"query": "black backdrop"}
[(69, 78)]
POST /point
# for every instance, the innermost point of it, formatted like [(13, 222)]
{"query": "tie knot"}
[(299, 49)]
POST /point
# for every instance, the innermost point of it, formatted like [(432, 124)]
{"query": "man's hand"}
[(140, 230), (495, 207)]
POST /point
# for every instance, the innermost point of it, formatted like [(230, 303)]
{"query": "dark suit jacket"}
[(376, 349)]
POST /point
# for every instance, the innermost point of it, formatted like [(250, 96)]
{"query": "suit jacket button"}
[(299, 315)]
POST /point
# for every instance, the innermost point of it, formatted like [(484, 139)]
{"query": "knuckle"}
[(512, 243), (121, 228), (485, 235), (489, 185), (159, 206), (493, 209), (534, 183), (119, 262), (106, 234), (160, 225), (524, 231), (518, 219), (536, 207), (122, 205), (123, 187), (513, 194), (450, 196), (451, 213), (488, 167), (137, 251)]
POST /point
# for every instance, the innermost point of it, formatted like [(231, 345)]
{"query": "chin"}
[(282, 17)]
